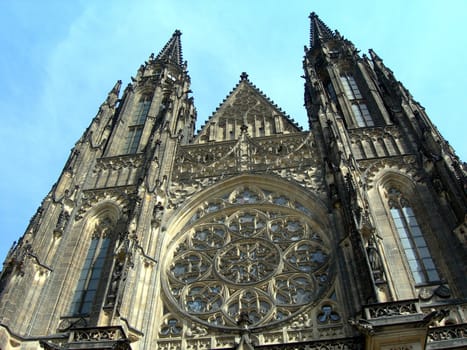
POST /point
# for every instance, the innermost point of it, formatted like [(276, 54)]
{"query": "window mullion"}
[(90, 275), (413, 244), (411, 237)]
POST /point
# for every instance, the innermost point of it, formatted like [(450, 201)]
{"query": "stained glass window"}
[(362, 115), (359, 107), (350, 87), (411, 237), (136, 125), (91, 272)]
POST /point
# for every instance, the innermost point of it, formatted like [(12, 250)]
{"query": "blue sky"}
[(60, 58)]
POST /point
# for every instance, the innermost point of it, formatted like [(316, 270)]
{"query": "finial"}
[(172, 51), (319, 32), (243, 76), (116, 87), (373, 55)]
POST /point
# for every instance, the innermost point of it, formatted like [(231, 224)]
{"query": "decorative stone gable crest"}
[(292, 157), (247, 154), (246, 106), (123, 196)]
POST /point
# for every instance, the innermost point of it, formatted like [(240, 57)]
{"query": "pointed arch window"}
[(331, 92), (142, 109), (350, 87), (92, 272), (362, 115), (411, 237), (136, 125), (360, 110), (132, 139)]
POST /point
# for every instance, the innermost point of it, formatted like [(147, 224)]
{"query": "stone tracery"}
[(238, 256)]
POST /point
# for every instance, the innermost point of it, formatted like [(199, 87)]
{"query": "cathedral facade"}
[(252, 232)]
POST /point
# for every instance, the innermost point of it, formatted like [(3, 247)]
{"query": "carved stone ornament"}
[(399, 308), (236, 258), (404, 164), (121, 195), (376, 142), (100, 337), (425, 293), (119, 162), (246, 154), (453, 332)]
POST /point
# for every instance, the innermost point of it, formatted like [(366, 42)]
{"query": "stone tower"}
[(251, 233)]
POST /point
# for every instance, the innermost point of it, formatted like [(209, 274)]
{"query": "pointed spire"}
[(319, 32), (116, 89), (112, 96), (172, 51), (374, 56)]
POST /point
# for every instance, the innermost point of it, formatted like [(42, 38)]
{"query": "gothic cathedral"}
[(250, 233)]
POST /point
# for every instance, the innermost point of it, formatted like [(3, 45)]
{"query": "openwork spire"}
[(172, 51), (319, 31)]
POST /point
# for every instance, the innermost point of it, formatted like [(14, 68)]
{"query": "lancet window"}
[(92, 271), (359, 107), (331, 92), (132, 139), (142, 110), (362, 115), (136, 124), (350, 87), (412, 240)]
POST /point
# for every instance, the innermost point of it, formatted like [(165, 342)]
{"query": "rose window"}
[(243, 259), (247, 261)]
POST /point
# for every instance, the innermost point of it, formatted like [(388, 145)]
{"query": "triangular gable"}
[(246, 106)]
